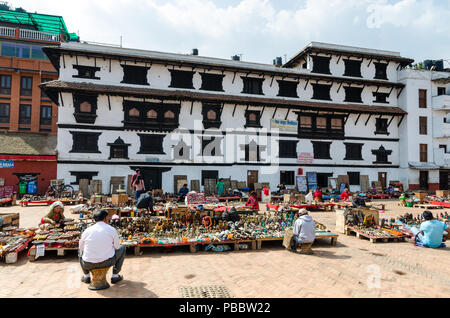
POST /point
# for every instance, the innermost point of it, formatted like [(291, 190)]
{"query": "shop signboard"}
[(7, 164), (302, 184), (312, 180), (6, 191), (284, 125), (305, 158)]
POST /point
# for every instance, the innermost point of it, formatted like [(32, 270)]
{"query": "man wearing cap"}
[(99, 247), (304, 229)]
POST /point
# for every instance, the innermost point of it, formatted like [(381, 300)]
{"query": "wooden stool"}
[(305, 249), (98, 279)]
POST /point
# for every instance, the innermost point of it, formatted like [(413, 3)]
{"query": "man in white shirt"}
[(304, 229), (99, 247)]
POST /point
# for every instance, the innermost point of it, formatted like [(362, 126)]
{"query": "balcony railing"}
[(29, 34), (441, 102)]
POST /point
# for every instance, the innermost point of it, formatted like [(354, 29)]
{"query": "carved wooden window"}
[(381, 127), (151, 144), (322, 150), (352, 68), (382, 155), (134, 113), (86, 72), (152, 114), (211, 115), (85, 107), (85, 142), (353, 151), (381, 97), (353, 94), (182, 79), (135, 75), (381, 71), (337, 123), (321, 64), (253, 85), (169, 115), (287, 89), (212, 82), (321, 92), (253, 119), (288, 148), (321, 123), (306, 121)]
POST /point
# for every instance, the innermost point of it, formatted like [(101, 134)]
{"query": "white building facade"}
[(425, 135), (332, 110)]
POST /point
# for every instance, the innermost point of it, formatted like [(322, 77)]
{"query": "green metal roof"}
[(39, 22)]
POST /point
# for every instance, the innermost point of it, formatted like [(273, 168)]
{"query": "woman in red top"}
[(345, 195), (253, 201), (318, 195)]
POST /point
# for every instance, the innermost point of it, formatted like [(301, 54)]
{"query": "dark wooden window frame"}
[(26, 91), (84, 117), (156, 140), (423, 153), (25, 120), (381, 71), (288, 149), (252, 85), (353, 94), (380, 97), (423, 96), (207, 123), (423, 125), (135, 75), (77, 146), (287, 177), (354, 178), (353, 151), (321, 91), (321, 64), (212, 82), (382, 155), (5, 119), (352, 68), (45, 121), (317, 133), (317, 151), (147, 124), (250, 124), (381, 129), (83, 69), (5, 79), (182, 79), (119, 143), (287, 89)]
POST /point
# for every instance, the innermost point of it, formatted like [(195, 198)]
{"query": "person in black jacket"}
[(145, 201)]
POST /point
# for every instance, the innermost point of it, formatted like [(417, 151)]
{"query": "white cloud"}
[(260, 29)]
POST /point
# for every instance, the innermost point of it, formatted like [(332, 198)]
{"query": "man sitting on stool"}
[(145, 201), (304, 229), (99, 248)]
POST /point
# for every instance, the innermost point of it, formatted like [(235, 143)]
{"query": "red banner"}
[(27, 158), (305, 157)]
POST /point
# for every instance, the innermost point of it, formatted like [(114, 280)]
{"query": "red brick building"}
[(28, 118)]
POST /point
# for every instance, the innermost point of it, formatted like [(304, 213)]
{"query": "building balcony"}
[(441, 128), (441, 102), (442, 158), (32, 35)]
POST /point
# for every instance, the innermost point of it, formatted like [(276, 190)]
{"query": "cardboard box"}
[(9, 219), (442, 193), (99, 199), (119, 199)]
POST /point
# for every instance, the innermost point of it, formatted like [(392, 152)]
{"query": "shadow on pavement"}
[(127, 289)]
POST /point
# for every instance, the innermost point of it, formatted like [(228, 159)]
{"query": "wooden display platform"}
[(350, 231), (442, 204), (324, 206), (61, 251), (6, 202), (319, 236), (193, 246), (48, 202), (429, 207), (12, 257)]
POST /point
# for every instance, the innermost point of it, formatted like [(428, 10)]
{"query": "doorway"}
[(444, 179), (252, 178), (423, 180), (382, 179)]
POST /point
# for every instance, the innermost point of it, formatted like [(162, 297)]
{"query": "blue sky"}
[(259, 29)]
